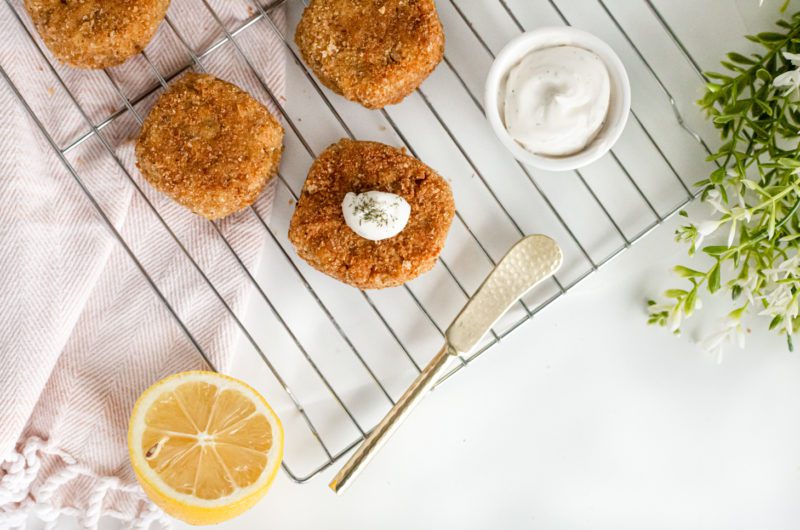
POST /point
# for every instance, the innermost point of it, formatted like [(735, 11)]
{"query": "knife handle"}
[(381, 433)]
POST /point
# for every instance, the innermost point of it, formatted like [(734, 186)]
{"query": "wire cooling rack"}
[(336, 358)]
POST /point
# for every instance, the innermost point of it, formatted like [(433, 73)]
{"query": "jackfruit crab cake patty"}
[(374, 52), (96, 33), (209, 145), (321, 236)]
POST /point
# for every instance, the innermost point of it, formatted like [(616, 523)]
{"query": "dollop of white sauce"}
[(556, 100), (375, 215)]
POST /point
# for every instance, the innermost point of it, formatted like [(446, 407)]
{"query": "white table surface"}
[(586, 417)]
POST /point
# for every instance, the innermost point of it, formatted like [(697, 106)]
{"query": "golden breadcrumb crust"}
[(96, 33), (375, 52), (322, 238), (209, 145)]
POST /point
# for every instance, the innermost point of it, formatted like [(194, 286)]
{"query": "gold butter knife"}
[(533, 259)]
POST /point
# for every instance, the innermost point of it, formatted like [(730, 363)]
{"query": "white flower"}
[(747, 285), (790, 79), (714, 198), (793, 58), (741, 212), (674, 319), (732, 331), (732, 234), (787, 268), (780, 301), (706, 228)]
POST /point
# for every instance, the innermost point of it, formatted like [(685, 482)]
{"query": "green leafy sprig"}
[(754, 192)]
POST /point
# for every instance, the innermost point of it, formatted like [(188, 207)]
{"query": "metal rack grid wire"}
[(468, 40)]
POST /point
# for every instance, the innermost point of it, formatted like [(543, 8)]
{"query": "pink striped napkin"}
[(82, 333)]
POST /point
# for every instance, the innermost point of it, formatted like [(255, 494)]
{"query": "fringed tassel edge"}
[(19, 498)]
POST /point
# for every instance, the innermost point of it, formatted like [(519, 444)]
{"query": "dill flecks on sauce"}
[(367, 209), (375, 215)]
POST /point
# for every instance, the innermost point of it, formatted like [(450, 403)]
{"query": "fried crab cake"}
[(209, 145), (374, 52), (321, 236), (96, 33)]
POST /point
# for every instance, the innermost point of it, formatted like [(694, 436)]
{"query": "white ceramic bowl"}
[(619, 104)]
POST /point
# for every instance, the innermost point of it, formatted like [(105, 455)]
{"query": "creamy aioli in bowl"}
[(556, 100)]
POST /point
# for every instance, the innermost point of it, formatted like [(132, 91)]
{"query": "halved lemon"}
[(204, 446)]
